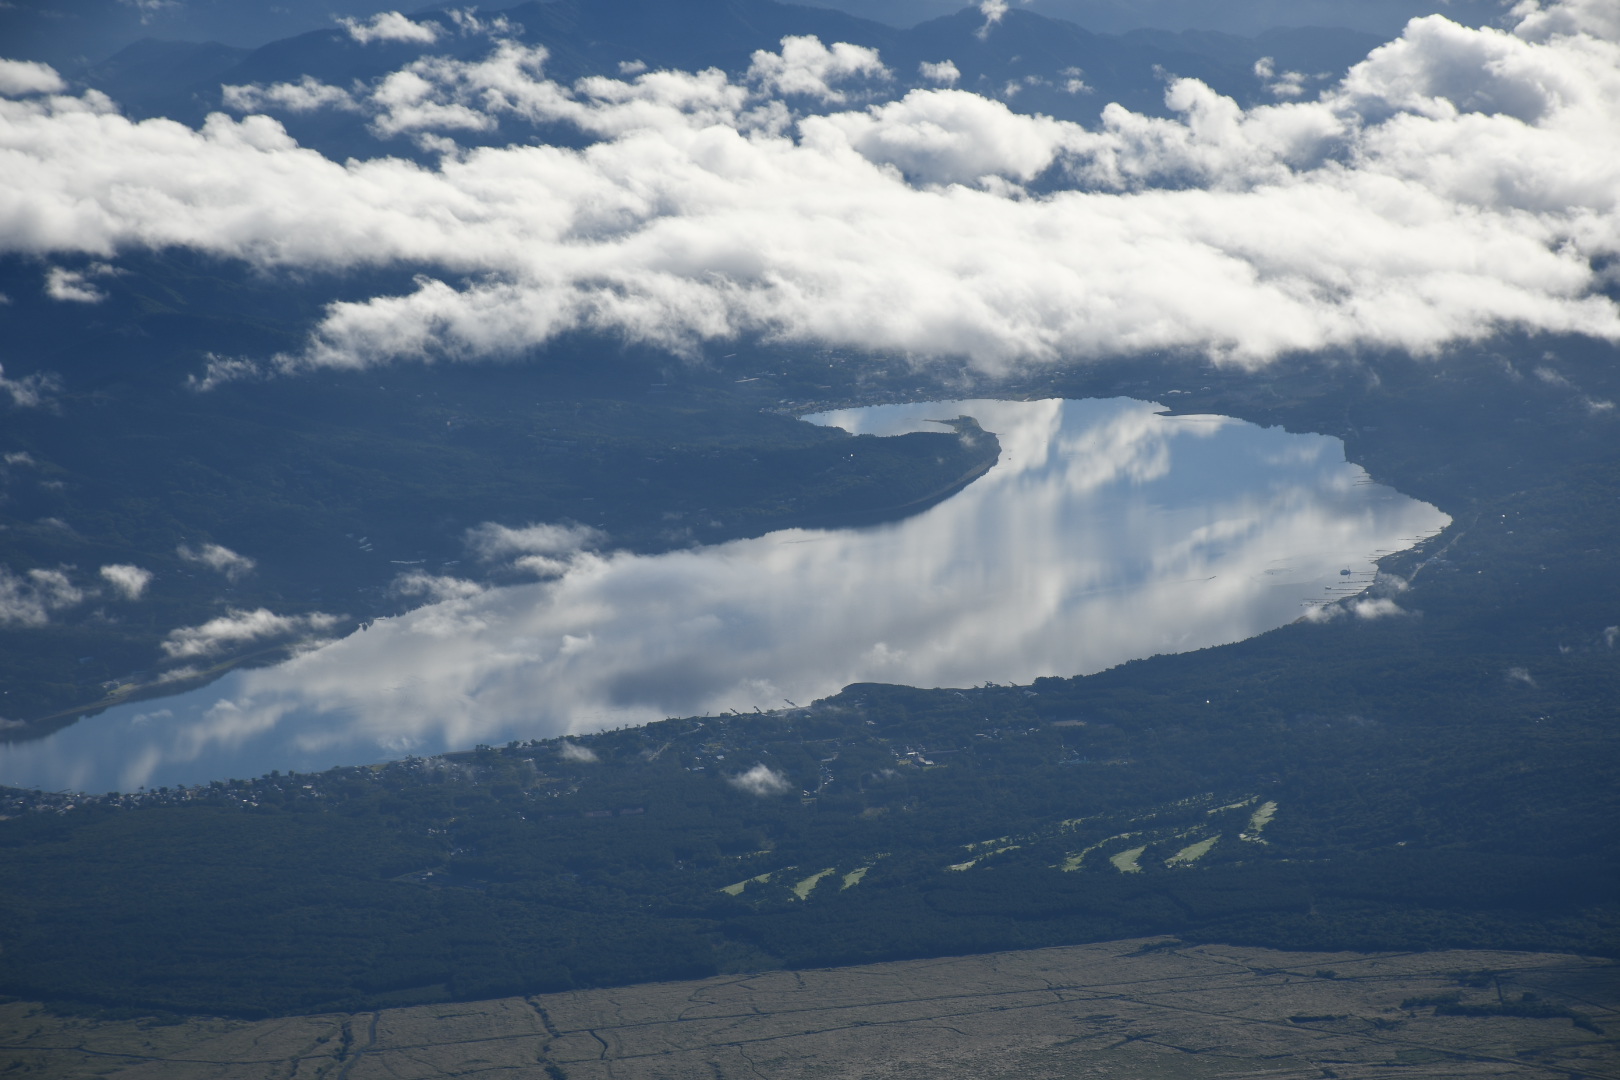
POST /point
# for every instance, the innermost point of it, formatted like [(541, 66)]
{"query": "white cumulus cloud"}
[(130, 581), (30, 391), (1376, 608), (390, 26), (1366, 607), (217, 557), (806, 66), (19, 77), (952, 137), (29, 599), (1538, 22), (993, 12), (434, 587), (762, 780), (543, 549), (308, 94), (236, 628), (72, 285), (1287, 84), (219, 370)]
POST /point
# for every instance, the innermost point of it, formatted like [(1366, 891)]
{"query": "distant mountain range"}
[(1247, 17), (74, 34), (1031, 62)]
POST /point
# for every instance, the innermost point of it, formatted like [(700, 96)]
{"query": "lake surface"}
[(1106, 532)]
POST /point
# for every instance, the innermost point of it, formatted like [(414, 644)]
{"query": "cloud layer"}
[(1457, 182)]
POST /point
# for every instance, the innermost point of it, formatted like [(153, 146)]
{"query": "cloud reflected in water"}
[(1106, 532)]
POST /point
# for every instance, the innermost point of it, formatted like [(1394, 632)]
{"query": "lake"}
[(1107, 531)]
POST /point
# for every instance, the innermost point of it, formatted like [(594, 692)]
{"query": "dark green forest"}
[(1443, 779)]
